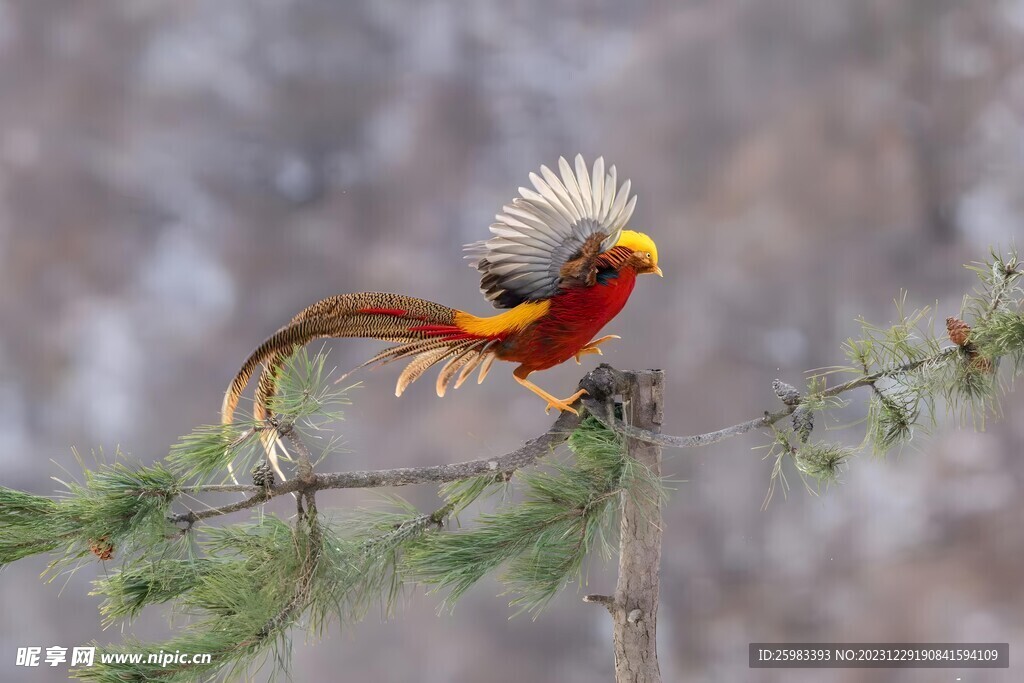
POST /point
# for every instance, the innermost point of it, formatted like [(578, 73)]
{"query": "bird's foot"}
[(591, 347), (564, 405)]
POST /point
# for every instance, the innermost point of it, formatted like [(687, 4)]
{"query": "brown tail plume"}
[(425, 331)]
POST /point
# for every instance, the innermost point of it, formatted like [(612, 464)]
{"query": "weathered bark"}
[(635, 606)]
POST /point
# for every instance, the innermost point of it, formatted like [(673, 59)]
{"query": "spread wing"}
[(549, 237)]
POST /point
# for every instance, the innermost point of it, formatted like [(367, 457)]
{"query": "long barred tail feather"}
[(415, 369), (395, 353), (370, 314), (466, 355), (423, 330), (485, 367), (475, 361)]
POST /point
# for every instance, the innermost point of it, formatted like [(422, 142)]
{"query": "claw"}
[(591, 347), (521, 373), (565, 404), (585, 351)]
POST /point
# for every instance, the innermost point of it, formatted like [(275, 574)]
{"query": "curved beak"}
[(657, 271)]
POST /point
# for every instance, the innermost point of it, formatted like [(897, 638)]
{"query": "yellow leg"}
[(561, 404), (591, 347)]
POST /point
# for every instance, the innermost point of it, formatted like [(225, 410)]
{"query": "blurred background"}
[(177, 179)]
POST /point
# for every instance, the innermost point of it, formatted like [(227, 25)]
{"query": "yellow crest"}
[(638, 241)]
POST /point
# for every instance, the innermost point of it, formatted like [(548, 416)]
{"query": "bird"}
[(560, 264)]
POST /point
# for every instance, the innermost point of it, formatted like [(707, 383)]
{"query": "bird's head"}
[(645, 251)]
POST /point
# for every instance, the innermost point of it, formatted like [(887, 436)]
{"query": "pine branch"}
[(246, 596), (545, 539)]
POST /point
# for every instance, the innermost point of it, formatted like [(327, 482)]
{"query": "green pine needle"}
[(144, 583), (29, 525), (463, 493), (207, 450), (125, 507), (891, 419), (1002, 336), (822, 461), (242, 603), (306, 398), (545, 538), (306, 394)]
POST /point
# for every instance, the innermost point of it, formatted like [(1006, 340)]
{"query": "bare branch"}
[(523, 456), (671, 441), (867, 380), (305, 459), (191, 517), (220, 488), (606, 600), (600, 410)]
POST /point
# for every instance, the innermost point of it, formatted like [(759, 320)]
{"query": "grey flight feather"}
[(546, 227)]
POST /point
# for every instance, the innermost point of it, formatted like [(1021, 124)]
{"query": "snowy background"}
[(177, 178)]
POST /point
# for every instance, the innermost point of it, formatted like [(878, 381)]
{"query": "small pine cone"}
[(263, 475), (102, 547), (960, 334), (787, 393), (803, 423), (959, 331)]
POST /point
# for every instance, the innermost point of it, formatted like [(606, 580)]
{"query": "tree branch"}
[(220, 488), (523, 456), (191, 517), (683, 441), (600, 410), (606, 600), (305, 459)]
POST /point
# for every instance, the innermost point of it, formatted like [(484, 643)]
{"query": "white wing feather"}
[(543, 228)]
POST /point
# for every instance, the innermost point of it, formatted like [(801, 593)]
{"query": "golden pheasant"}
[(560, 261)]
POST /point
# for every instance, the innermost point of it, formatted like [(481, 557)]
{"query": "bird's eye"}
[(648, 254)]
